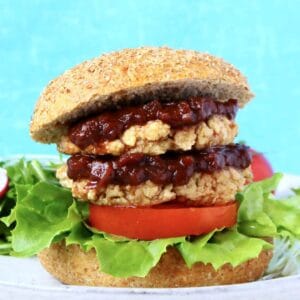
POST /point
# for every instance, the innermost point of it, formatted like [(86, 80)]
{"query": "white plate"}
[(25, 279)]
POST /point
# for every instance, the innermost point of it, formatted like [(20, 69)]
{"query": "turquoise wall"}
[(40, 39)]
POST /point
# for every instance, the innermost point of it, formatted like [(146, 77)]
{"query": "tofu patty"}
[(156, 137), (202, 189)]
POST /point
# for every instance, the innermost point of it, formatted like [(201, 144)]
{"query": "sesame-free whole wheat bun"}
[(73, 266), (133, 75)]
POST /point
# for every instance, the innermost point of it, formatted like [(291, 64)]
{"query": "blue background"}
[(40, 39)]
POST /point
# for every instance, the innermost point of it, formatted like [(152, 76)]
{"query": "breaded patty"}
[(156, 137), (205, 189)]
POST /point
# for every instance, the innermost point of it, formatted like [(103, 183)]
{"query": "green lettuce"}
[(130, 258), (41, 212), (23, 176), (261, 215), (253, 219), (124, 257), (44, 213), (227, 246)]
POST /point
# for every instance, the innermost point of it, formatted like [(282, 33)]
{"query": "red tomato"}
[(261, 168), (161, 221)]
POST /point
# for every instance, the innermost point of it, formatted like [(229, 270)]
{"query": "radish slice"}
[(3, 182)]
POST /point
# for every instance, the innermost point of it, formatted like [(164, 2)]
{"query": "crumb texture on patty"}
[(156, 137), (206, 189), (71, 265)]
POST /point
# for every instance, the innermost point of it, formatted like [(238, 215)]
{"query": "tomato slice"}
[(161, 221)]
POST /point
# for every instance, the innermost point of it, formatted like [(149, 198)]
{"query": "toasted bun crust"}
[(132, 75), (71, 265)]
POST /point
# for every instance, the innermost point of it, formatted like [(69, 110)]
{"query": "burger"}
[(154, 193)]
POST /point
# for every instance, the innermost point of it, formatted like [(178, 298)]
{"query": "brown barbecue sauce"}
[(175, 168), (111, 124)]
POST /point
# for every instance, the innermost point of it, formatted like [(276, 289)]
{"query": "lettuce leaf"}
[(80, 235), (44, 213), (285, 214), (253, 219), (24, 174), (121, 257), (125, 258), (130, 258), (260, 215), (227, 246)]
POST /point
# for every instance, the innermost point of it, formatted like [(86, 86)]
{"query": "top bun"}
[(132, 75)]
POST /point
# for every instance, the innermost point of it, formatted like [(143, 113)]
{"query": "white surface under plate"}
[(25, 279)]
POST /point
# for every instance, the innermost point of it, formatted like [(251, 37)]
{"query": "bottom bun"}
[(71, 265)]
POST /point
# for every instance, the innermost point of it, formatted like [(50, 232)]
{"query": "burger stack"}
[(147, 128)]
